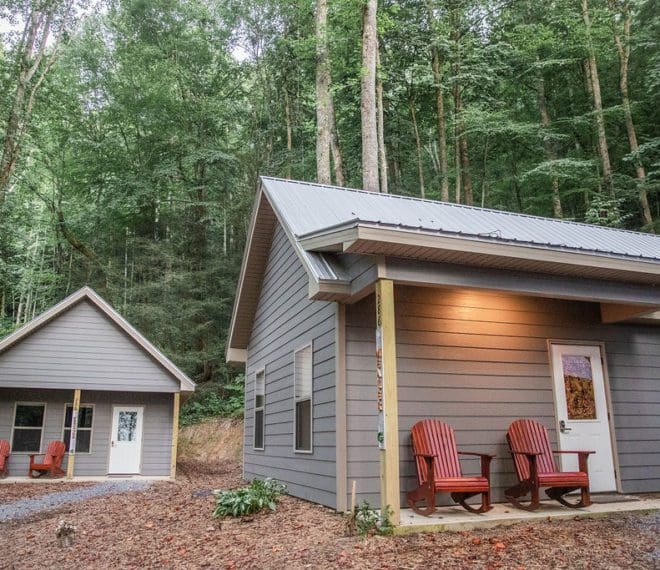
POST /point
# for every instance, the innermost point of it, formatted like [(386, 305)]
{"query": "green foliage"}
[(213, 399), (248, 500), (369, 521)]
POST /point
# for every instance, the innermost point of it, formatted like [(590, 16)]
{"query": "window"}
[(302, 372), (28, 427), (259, 401), (84, 433)]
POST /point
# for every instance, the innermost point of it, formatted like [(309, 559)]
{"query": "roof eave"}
[(353, 238)]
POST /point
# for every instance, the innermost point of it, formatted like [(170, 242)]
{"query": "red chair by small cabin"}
[(439, 470), (52, 463), (535, 467), (4, 457)]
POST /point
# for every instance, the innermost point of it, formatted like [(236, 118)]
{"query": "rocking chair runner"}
[(438, 469), (535, 468), (52, 463), (4, 456)]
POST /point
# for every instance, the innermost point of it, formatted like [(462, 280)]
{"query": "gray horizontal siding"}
[(480, 360), (156, 436), (286, 320), (82, 348)]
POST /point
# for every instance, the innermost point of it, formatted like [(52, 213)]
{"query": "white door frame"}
[(608, 398), (112, 421)]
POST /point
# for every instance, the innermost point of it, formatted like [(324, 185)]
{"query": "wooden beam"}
[(341, 450), (175, 433), (74, 433), (388, 408)]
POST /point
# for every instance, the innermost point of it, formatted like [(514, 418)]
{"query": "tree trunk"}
[(598, 105), (382, 154), (547, 145), (463, 160), (368, 98), (465, 166), (436, 65), (334, 146), (289, 132), (323, 134), (623, 49), (418, 146)]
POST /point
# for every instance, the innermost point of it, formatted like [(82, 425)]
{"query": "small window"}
[(28, 427), (84, 433), (259, 402), (302, 371)]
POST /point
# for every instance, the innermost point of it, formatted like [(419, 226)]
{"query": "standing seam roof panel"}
[(310, 208)]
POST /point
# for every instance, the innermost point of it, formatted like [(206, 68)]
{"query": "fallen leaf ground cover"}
[(169, 526), (15, 491)]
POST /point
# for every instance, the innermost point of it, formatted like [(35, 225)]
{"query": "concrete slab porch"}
[(455, 519)]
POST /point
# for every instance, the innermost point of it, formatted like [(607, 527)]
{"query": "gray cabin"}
[(358, 314), (81, 359)]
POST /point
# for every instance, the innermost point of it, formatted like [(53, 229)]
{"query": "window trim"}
[(42, 428), (89, 429), (309, 451), (255, 409)]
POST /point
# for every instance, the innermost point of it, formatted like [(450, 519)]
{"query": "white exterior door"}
[(582, 412), (126, 440)]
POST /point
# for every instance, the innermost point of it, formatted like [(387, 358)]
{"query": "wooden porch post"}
[(175, 433), (74, 434), (388, 408)]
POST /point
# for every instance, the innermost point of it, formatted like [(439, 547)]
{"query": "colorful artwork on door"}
[(579, 387)]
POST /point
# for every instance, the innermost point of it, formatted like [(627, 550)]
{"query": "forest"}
[(134, 133)]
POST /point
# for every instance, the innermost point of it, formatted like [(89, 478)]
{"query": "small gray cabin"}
[(486, 314), (83, 359)]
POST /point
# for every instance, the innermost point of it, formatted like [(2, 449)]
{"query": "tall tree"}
[(368, 97), (597, 103), (436, 65), (622, 23), (548, 145), (324, 125)]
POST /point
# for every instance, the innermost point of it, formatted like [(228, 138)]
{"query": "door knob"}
[(112, 443), (563, 428)]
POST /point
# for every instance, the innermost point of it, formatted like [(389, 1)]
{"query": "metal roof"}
[(310, 209)]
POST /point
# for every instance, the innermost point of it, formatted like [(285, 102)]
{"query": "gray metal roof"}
[(309, 209)]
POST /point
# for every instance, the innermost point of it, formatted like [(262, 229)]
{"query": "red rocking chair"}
[(439, 471), (4, 457), (52, 463), (535, 467)]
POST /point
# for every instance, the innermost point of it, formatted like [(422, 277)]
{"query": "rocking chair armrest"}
[(534, 453), (580, 452), (477, 454), (485, 461)]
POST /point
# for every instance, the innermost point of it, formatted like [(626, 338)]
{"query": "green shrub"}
[(248, 500), (368, 521), (212, 400)]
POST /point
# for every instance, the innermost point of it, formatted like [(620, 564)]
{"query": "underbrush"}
[(249, 500), (212, 400)]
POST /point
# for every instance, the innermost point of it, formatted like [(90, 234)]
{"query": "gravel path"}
[(26, 507)]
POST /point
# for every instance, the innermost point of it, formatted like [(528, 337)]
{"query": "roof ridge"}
[(459, 206)]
